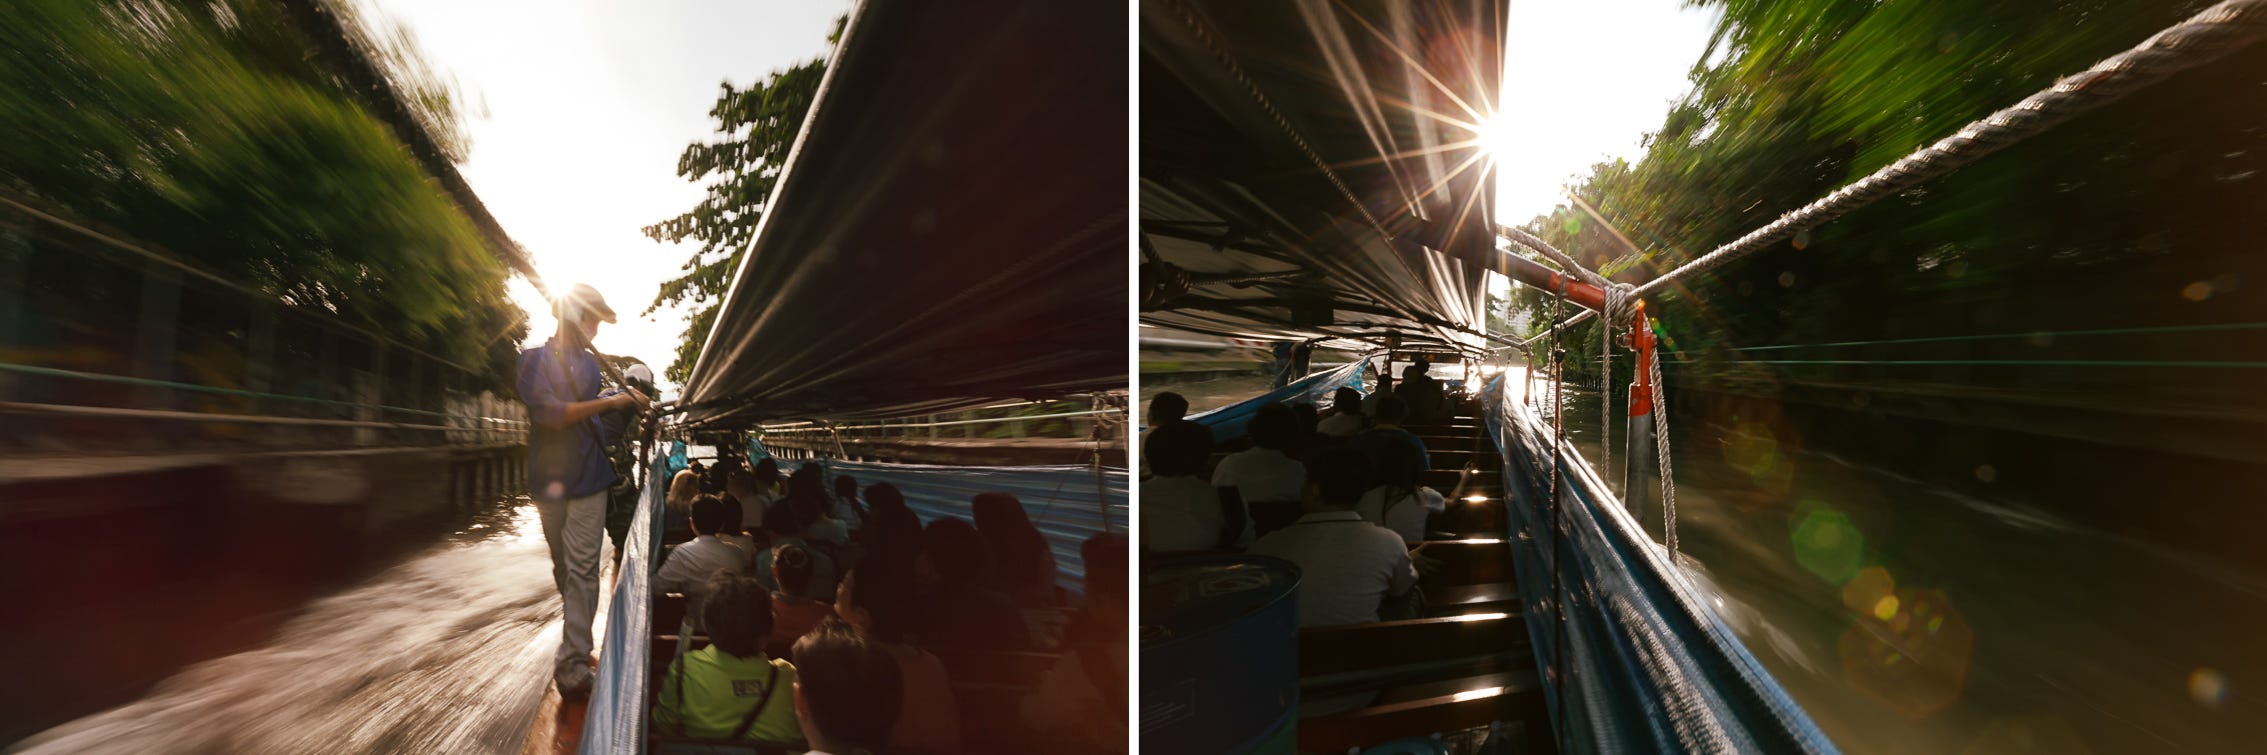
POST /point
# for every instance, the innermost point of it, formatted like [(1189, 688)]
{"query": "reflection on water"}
[(445, 652), (1910, 617)]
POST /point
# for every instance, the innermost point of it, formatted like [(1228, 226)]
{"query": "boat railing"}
[(1635, 656)]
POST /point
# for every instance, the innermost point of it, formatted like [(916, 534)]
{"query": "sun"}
[(1497, 139)]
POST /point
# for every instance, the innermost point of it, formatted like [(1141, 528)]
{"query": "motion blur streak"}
[(445, 652)]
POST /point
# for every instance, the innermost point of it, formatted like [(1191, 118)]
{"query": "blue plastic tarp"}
[(615, 721), (1228, 422), (1065, 502), (1649, 666)]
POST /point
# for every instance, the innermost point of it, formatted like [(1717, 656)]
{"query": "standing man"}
[(568, 473)]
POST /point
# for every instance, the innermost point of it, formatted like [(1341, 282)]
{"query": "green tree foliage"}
[(207, 129), (2099, 222), (756, 127)]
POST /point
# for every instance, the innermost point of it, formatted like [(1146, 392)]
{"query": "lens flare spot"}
[(1886, 608), (2197, 291), (1829, 545), (1913, 668), (1872, 585), (1987, 473), (2208, 687)]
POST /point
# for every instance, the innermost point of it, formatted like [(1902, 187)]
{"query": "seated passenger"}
[(846, 505), (1426, 400), (1400, 502), (1023, 564), (1345, 418), (1086, 689), (1372, 442), (891, 540), (678, 503), (848, 693), (793, 611), (730, 530), (688, 567), (1347, 566), (742, 488), (1179, 510), (1165, 408), (880, 608), (1264, 481), (730, 689), (782, 527), (806, 491), (959, 610)]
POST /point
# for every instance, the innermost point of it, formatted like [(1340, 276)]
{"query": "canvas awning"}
[(951, 229), (1311, 170)]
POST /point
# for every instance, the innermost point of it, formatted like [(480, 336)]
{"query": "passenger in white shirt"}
[(1264, 477), (1179, 510), (1347, 566), (1399, 502), (691, 563), (1345, 418)]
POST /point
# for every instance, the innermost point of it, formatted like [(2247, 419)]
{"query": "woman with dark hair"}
[(847, 696), (806, 492), (961, 610), (793, 610), (878, 605), (1398, 500), (891, 539), (1024, 567), (730, 689), (783, 528)]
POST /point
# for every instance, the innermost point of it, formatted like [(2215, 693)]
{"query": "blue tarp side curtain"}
[(1062, 501), (615, 720), (1649, 666), (1228, 422)]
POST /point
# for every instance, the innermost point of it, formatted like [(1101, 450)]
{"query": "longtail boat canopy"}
[(1312, 170), (950, 230)]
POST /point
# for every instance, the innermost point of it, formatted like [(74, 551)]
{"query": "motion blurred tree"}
[(1795, 98), (207, 129), (757, 127)]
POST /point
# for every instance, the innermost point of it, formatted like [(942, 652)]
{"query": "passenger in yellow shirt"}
[(730, 689)]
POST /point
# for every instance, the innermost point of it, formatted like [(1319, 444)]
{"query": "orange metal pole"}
[(1642, 341)]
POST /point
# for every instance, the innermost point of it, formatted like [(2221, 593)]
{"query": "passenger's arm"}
[(1404, 574), (1232, 516), (547, 408)]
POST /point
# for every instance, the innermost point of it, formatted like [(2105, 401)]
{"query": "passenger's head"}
[(1273, 426), (1415, 370), (876, 601), (1167, 407), (729, 523), (1178, 449), (891, 532), (708, 515), (847, 689), (741, 484), (791, 567), (1399, 466), (683, 488), (1337, 479), (955, 551), (845, 487), (882, 495), (767, 471), (1346, 400), (736, 612), (1391, 409), (1000, 512), (807, 488)]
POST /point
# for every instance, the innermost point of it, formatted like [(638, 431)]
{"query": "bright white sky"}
[(1584, 81), (588, 104)]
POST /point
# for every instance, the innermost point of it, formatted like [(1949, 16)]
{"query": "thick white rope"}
[(1661, 448)]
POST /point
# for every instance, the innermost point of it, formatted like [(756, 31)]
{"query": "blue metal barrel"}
[(1219, 655)]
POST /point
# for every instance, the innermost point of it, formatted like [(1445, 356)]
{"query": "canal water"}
[(446, 651), (1908, 613)]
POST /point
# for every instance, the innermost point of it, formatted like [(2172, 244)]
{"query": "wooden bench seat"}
[(1467, 562), (1426, 675)]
